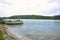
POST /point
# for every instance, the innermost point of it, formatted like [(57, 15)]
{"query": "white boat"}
[(13, 21)]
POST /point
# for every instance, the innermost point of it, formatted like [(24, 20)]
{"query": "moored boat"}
[(13, 21)]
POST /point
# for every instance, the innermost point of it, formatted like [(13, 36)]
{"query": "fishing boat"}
[(13, 21)]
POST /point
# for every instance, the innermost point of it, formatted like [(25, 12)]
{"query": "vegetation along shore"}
[(1, 33), (32, 17)]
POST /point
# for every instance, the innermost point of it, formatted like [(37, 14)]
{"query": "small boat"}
[(13, 21)]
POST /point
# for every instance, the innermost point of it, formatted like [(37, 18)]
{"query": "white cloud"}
[(23, 7)]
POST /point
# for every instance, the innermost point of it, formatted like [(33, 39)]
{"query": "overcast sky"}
[(29, 7)]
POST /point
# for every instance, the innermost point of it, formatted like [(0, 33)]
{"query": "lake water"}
[(38, 29)]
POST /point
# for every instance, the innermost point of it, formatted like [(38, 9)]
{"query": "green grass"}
[(0, 26), (1, 34)]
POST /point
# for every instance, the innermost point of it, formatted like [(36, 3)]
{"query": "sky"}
[(29, 7)]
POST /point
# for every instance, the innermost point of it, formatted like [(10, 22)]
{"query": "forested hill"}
[(31, 17), (57, 16)]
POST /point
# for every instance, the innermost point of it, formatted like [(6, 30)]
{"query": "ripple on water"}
[(38, 29)]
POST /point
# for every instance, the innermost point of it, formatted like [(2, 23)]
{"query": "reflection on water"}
[(38, 29)]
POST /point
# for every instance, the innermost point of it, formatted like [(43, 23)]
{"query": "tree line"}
[(31, 17), (34, 17)]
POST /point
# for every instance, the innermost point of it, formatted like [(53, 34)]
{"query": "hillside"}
[(31, 17)]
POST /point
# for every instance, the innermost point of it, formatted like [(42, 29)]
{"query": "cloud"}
[(50, 1), (6, 8), (36, 7), (2, 13), (55, 11), (51, 12), (8, 2)]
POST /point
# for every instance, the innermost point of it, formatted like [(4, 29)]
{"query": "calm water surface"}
[(38, 29)]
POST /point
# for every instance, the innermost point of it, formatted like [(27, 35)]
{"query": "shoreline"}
[(1, 33), (13, 35)]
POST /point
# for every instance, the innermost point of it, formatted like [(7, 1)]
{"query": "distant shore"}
[(56, 17)]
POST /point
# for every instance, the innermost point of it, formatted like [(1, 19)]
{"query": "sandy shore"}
[(9, 35)]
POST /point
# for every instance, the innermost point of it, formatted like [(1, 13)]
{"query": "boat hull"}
[(13, 23)]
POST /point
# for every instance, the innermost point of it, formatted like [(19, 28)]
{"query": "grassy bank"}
[(1, 33), (0, 26)]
